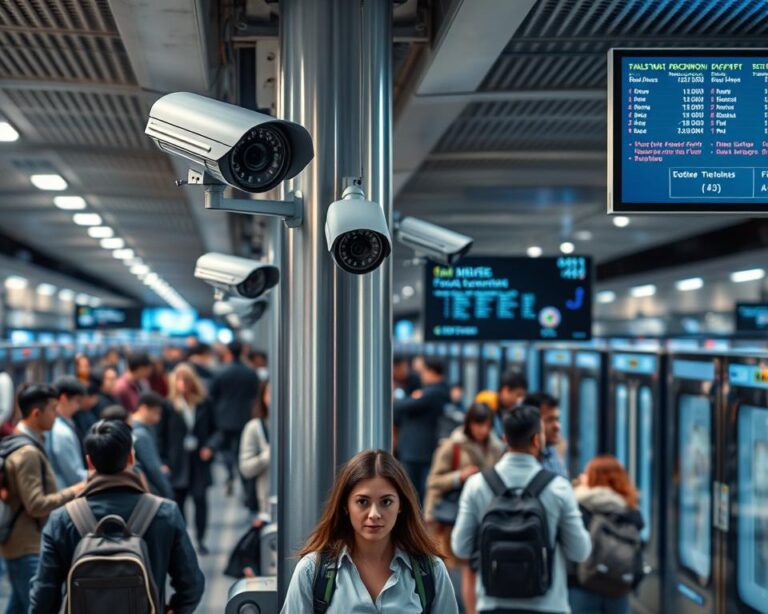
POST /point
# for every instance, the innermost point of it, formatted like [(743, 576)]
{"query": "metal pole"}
[(274, 240), (335, 348)]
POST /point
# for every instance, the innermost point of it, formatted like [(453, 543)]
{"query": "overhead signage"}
[(688, 131), (516, 298), (751, 317), (102, 318)]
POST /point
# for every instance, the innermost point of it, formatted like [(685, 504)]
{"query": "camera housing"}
[(242, 148), (237, 276), (436, 242), (356, 232), (240, 312)]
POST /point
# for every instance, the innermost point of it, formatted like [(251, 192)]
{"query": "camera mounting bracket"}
[(292, 211)]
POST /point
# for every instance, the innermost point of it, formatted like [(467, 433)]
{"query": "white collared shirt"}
[(351, 597)]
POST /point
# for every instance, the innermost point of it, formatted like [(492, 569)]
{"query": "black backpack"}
[(514, 548), (8, 446), (110, 570), (324, 585), (615, 565)]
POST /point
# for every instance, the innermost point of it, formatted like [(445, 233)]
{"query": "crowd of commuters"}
[(128, 441)]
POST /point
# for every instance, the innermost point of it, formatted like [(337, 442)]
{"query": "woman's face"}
[(480, 431), (373, 506)]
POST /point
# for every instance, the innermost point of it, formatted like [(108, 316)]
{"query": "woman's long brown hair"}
[(334, 531), (606, 470)]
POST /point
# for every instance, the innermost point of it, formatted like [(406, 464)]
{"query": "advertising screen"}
[(751, 317), (499, 299), (688, 130), (169, 321), (101, 318)]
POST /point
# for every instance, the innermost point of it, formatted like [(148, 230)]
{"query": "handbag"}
[(446, 508), (247, 553)]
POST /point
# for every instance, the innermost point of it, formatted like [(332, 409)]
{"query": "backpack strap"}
[(324, 583), (143, 514), (82, 516), (493, 479), (539, 482), (423, 570)]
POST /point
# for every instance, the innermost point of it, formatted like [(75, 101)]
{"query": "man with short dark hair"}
[(63, 442), (404, 380), (512, 389), (416, 419), (147, 415), (115, 489), (516, 469), (549, 407), (133, 382), (31, 489), (200, 356)]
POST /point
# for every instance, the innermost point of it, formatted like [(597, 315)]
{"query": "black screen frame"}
[(616, 205)]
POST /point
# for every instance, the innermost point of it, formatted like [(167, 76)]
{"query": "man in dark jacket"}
[(233, 392), (416, 419), (144, 421), (115, 489)]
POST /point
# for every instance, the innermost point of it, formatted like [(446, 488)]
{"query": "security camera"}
[(245, 149), (237, 276), (356, 232), (436, 242), (245, 311)]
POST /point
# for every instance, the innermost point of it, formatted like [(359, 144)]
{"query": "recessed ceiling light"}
[(567, 247), (621, 221), (100, 232), (8, 133), (122, 254), (51, 182), (112, 243), (686, 285), (46, 289), (748, 275), (606, 296), (534, 251), (15, 282), (82, 299), (66, 295), (408, 291), (583, 235), (87, 219), (69, 203), (643, 291), (140, 269)]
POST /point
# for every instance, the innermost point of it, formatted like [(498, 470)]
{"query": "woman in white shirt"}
[(370, 552), (254, 455)]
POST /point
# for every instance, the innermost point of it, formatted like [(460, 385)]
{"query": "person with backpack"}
[(29, 490), (470, 449), (608, 501), (370, 551), (63, 443), (519, 523), (115, 544)]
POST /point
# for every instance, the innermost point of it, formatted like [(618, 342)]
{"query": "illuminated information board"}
[(499, 299), (751, 317), (688, 131)]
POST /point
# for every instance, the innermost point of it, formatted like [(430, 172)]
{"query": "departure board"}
[(500, 299), (751, 317), (688, 131)]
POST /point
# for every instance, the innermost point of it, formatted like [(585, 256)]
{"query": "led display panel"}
[(687, 131), (104, 317), (500, 299), (751, 317)]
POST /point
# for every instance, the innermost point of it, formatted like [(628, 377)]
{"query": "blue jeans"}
[(586, 602), (20, 574)]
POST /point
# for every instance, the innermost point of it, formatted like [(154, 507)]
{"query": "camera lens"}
[(253, 285), (260, 160), (360, 251)]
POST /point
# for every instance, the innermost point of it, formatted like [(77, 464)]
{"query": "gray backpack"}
[(110, 569)]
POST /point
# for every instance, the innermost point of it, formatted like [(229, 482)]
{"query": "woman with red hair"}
[(604, 489)]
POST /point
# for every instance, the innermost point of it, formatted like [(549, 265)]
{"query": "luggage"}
[(247, 553), (8, 516)]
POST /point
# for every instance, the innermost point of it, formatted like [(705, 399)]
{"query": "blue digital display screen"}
[(497, 299), (102, 318), (690, 130), (169, 321), (751, 317)]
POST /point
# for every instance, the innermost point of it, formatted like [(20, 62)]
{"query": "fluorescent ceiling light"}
[(133, 261), (606, 296), (66, 295), (46, 289), (567, 247), (621, 221), (408, 291), (151, 278), (50, 182), (583, 235), (748, 275), (140, 269), (100, 232), (643, 291), (534, 251), (87, 219), (8, 133), (15, 282), (123, 254), (82, 299), (112, 243), (694, 283), (69, 203), (94, 301)]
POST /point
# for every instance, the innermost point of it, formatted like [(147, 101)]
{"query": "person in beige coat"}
[(470, 448)]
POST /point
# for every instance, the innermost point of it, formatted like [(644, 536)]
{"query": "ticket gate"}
[(491, 366), (636, 437), (588, 402)]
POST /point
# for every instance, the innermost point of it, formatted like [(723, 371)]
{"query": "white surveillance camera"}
[(437, 243), (245, 149), (356, 232), (245, 311), (237, 276)]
